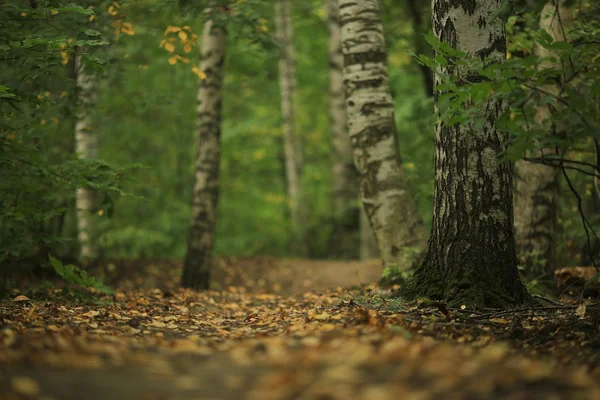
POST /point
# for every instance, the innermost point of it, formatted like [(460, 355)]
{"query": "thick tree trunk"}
[(345, 240), (470, 259), (537, 186), (385, 194), (198, 258), (292, 148), (368, 243), (86, 146)]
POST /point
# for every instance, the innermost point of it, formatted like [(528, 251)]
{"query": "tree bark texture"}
[(368, 242), (537, 185), (86, 146), (387, 200), (345, 240), (198, 258), (292, 148), (470, 259)]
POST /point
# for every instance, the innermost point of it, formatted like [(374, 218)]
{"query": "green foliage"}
[(565, 83), (72, 275), (148, 111), (39, 171)]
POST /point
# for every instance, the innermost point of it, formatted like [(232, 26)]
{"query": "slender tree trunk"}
[(292, 149), (86, 146), (415, 9), (537, 186), (387, 200), (198, 258), (470, 259), (345, 240)]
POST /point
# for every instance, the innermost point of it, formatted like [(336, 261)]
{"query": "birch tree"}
[(470, 258), (537, 185), (345, 239), (387, 200), (198, 258), (292, 150), (86, 146)]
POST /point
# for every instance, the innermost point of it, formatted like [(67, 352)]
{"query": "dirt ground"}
[(260, 334)]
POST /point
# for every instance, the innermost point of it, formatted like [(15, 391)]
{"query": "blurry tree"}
[(416, 11), (387, 199), (470, 259), (292, 144), (537, 185), (86, 141), (198, 258), (344, 242), (39, 172)]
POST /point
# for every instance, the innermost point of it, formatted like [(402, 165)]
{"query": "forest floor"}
[(263, 335)]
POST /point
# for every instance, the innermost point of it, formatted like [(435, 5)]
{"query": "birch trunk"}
[(86, 146), (368, 243), (345, 240), (470, 259), (198, 258), (385, 194), (292, 150), (537, 186)]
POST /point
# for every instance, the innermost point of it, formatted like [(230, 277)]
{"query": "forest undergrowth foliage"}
[(566, 83), (39, 169)]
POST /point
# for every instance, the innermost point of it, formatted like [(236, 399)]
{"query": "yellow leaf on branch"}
[(187, 48), (169, 47), (199, 74), (182, 35), (173, 60), (171, 28), (127, 29)]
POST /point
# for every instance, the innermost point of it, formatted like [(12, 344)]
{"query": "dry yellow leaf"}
[(127, 29), (187, 48), (171, 28), (169, 47), (173, 60), (91, 18), (25, 386), (199, 74), (182, 35)]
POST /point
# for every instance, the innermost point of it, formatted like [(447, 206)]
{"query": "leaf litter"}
[(241, 342)]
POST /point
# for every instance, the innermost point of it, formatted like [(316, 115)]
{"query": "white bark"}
[(385, 194), (86, 146), (198, 258), (470, 259), (344, 180)]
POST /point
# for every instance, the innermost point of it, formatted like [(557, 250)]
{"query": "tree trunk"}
[(420, 45), (537, 186), (86, 146), (198, 258), (292, 150), (470, 258), (368, 243), (345, 240), (385, 194)]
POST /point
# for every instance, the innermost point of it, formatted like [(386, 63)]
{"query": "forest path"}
[(155, 341)]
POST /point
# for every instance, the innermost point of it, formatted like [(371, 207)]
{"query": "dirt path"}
[(154, 341)]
